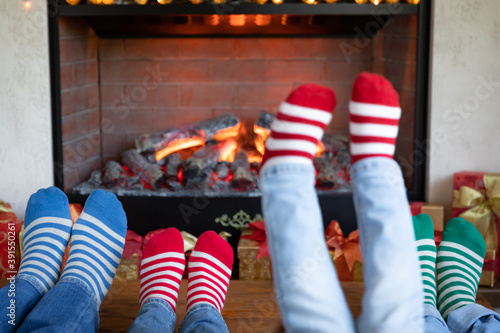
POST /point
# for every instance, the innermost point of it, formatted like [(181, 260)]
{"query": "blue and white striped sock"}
[(97, 243), (47, 227)]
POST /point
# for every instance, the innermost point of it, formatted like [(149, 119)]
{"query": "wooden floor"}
[(250, 305)]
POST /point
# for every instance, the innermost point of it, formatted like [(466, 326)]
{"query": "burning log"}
[(243, 180), (265, 120), (158, 145), (113, 174), (220, 128), (262, 129), (148, 172), (326, 175)]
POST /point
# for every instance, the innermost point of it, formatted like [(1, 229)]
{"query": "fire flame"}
[(227, 133), (228, 150), (179, 145), (320, 148)]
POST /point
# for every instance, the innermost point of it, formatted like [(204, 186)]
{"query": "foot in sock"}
[(209, 271), (162, 266), (460, 259), (299, 125), (47, 230), (374, 117), (426, 247), (97, 242)]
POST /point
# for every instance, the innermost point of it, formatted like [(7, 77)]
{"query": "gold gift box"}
[(250, 267), (435, 212), (129, 268), (488, 278)]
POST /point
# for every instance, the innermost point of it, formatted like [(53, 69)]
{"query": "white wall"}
[(25, 116), (465, 93)]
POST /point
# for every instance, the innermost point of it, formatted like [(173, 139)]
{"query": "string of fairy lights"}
[(196, 2)]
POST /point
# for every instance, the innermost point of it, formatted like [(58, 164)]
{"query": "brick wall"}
[(201, 78), (394, 56), (79, 100)]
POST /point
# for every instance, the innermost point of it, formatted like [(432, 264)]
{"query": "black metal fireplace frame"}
[(149, 213)]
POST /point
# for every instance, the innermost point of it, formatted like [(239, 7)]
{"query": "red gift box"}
[(9, 243), (476, 198)]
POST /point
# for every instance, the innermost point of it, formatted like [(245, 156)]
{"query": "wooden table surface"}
[(250, 305)]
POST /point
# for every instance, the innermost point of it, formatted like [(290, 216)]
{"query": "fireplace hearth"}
[(149, 143)]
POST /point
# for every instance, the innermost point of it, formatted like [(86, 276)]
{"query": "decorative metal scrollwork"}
[(240, 220)]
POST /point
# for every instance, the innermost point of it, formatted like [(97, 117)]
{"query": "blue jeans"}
[(156, 315), (307, 288), (472, 318), (71, 306)]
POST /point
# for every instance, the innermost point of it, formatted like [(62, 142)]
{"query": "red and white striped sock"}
[(162, 266), (299, 125), (209, 271), (374, 117)]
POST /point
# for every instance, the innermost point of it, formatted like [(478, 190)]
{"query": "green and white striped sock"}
[(459, 264), (426, 247)]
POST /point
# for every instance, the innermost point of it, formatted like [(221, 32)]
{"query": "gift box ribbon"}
[(347, 247), (481, 208), (259, 235)]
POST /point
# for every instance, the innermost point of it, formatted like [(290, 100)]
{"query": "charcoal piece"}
[(243, 180), (221, 170), (174, 185), (221, 186), (173, 162), (113, 174), (134, 182), (201, 163), (95, 178), (265, 120), (213, 126), (326, 174), (334, 143), (150, 173)]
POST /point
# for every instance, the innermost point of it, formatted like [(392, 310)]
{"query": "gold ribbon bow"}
[(481, 208)]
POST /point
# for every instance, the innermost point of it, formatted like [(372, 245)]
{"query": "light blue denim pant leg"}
[(70, 306), (433, 321), (17, 300), (307, 289), (393, 297), (155, 315), (203, 318), (474, 318)]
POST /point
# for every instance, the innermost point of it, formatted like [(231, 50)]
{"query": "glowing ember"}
[(179, 145)]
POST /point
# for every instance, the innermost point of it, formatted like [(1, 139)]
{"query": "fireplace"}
[(125, 72)]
